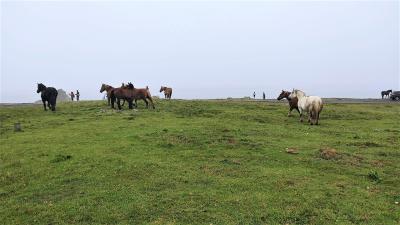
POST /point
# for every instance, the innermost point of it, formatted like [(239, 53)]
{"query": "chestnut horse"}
[(129, 94), (167, 92), (48, 94), (108, 89), (292, 101)]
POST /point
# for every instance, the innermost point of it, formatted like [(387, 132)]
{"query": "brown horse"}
[(167, 92), (292, 101), (108, 89), (129, 94)]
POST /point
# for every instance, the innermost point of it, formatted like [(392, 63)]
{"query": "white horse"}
[(309, 104)]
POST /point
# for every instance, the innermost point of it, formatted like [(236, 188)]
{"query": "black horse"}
[(386, 93), (49, 94)]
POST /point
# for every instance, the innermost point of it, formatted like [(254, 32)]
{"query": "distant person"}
[(254, 95), (263, 95), (72, 95), (77, 95)]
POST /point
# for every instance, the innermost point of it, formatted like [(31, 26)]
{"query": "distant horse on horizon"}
[(49, 95), (167, 92), (386, 93), (310, 104), (292, 101)]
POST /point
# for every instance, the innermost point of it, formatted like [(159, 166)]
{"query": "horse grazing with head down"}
[(49, 95), (167, 92), (130, 94), (309, 104), (386, 93), (292, 101)]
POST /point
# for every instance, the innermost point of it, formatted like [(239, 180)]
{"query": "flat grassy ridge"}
[(199, 162)]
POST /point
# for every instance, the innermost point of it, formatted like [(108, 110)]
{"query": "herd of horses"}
[(129, 93), (311, 105)]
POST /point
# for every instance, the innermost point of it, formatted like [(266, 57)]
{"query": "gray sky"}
[(201, 49)]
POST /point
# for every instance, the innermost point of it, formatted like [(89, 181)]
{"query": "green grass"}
[(199, 162)]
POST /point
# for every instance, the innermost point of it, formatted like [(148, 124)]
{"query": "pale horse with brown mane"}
[(167, 92), (308, 104)]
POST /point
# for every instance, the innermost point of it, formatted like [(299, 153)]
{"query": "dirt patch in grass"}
[(366, 144), (328, 153)]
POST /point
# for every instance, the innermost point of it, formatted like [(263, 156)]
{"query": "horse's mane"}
[(298, 92)]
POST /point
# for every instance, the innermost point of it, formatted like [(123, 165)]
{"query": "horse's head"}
[(103, 88), (390, 91), (130, 85), (40, 87), (162, 89), (284, 94)]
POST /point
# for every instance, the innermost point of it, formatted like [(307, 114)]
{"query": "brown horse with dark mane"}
[(108, 89), (292, 101), (130, 94), (167, 92)]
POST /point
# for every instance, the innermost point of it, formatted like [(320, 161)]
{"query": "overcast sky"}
[(201, 49)]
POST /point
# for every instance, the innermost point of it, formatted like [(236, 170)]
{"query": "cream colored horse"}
[(308, 104)]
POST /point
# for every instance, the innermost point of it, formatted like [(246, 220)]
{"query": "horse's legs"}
[(52, 103), (109, 100), (119, 103), (301, 115), (147, 103), (112, 102), (136, 103), (290, 111), (123, 102), (44, 105), (152, 103), (130, 104)]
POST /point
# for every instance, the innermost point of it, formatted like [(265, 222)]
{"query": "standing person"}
[(254, 95), (77, 95), (263, 95), (72, 95)]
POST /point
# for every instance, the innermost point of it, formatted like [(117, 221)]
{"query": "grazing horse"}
[(129, 94), (167, 92), (386, 93), (309, 104), (108, 89), (292, 101), (49, 94)]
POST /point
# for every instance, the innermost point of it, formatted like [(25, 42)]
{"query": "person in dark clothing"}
[(72, 95), (254, 95), (77, 95), (263, 95)]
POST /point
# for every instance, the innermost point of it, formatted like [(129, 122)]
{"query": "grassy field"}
[(199, 162)]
